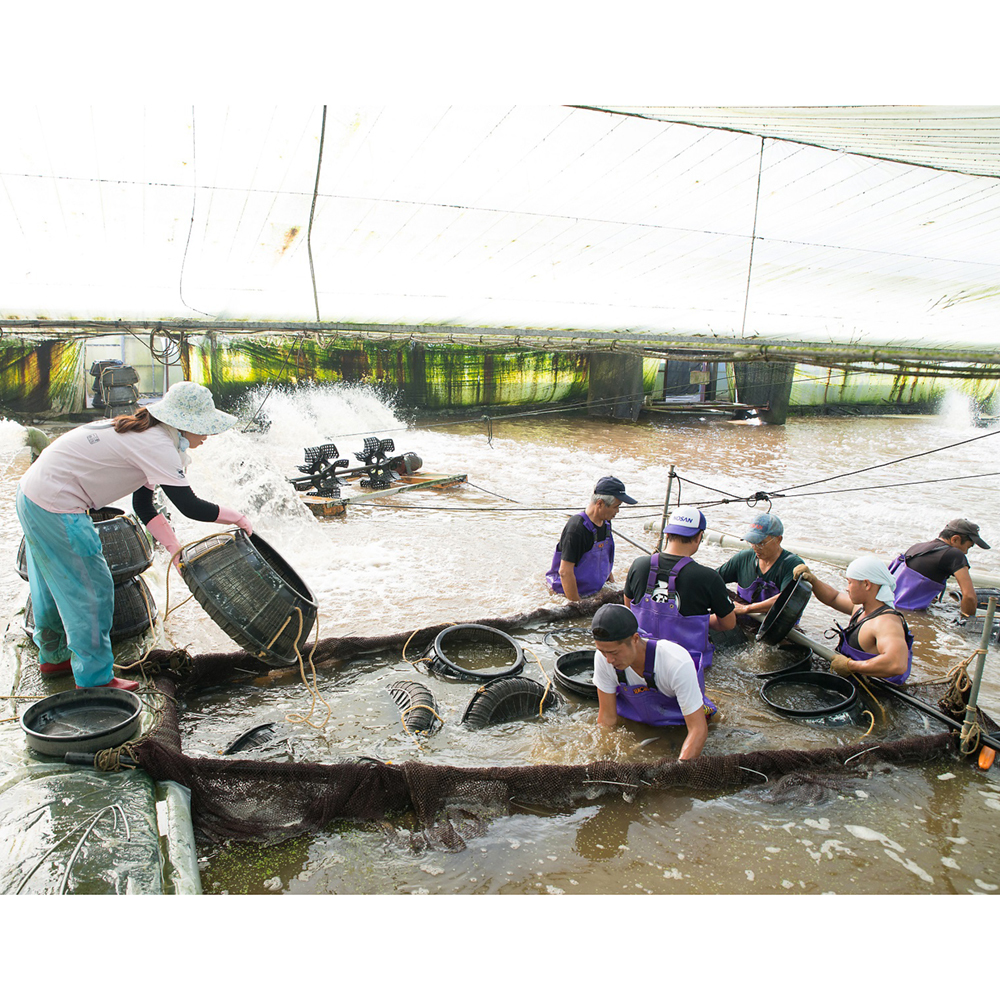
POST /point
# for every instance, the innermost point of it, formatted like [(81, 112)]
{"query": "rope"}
[(406, 711), (491, 493), (894, 461), (548, 683), (314, 686)]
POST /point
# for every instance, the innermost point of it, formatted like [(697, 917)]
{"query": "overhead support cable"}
[(312, 213), (194, 202), (753, 237)]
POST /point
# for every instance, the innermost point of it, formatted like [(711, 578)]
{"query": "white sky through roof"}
[(527, 216)]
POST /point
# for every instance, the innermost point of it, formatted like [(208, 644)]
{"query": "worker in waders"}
[(585, 555), (922, 571), (877, 641), (675, 598), (763, 571), (89, 467), (647, 680)]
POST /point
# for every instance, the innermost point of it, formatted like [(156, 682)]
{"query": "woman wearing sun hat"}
[(72, 593)]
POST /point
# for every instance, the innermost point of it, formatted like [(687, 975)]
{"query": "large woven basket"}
[(126, 548), (251, 593), (135, 610)]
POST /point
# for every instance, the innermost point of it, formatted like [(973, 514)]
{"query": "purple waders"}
[(662, 620), (759, 590), (914, 591), (594, 567), (851, 633), (646, 703)]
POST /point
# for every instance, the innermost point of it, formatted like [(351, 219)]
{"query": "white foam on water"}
[(864, 833), (910, 866)]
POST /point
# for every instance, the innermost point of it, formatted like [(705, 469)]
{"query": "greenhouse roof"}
[(877, 226)]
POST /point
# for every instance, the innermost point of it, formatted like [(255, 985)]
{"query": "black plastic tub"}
[(809, 694), (785, 612), (81, 721), (251, 593), (474, 653), (575, 672)]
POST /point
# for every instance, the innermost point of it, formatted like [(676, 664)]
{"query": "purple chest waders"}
[(594, 567), (663, 620), (914, 591), (646, 703), (851, 633), (759, 590)]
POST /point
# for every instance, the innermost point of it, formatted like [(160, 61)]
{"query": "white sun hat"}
[(188, 406)]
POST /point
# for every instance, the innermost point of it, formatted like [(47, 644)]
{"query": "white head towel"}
[(874, 570)]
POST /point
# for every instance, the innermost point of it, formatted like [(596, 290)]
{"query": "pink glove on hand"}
[(228, 516), (159, 528)]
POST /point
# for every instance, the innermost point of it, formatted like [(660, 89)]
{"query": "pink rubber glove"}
[(159, 528), (228, 516)]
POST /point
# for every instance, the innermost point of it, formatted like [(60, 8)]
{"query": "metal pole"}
[(666, 507), (970, 708)]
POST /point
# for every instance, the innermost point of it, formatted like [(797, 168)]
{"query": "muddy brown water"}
[(446, 557)]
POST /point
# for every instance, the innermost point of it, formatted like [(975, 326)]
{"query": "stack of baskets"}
[(127, 552), (115, 387)]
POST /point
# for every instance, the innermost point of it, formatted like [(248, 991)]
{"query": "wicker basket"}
[(118, 376), (251, 593), (135, 611), (126, 548), (115, 395)]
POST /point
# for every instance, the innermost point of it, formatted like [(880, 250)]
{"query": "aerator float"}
[(325, 475)]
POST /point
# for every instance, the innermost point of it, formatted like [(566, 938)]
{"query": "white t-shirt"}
[(93, 466), (673, 671)]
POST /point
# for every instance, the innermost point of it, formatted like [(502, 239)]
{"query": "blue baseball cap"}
[(763, 526), (686, 521), (610, 486)]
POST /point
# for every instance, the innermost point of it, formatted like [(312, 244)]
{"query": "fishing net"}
[(270, 801)]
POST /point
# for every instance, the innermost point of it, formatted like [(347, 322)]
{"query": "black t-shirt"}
[(577, 539), (937, 560), (700, 590)]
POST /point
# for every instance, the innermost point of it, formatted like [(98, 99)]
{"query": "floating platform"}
[(337, 506)]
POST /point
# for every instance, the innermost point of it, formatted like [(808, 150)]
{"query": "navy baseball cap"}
[(763, 526), (686, 521), (609, 486), (613, 623)]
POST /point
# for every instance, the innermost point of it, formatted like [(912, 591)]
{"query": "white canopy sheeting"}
[(538, 217)]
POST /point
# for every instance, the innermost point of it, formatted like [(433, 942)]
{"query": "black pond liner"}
[(126, 548), (505, 699), (575, 672), (134, 612), (831, 694), (251, 593), (441, 653), (81, 721), (416, 705), (785, 612)]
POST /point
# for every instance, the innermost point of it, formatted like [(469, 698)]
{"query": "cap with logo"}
[(763, 526), (686, 521)]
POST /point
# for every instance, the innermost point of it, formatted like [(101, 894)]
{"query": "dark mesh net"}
[(272, 801)]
